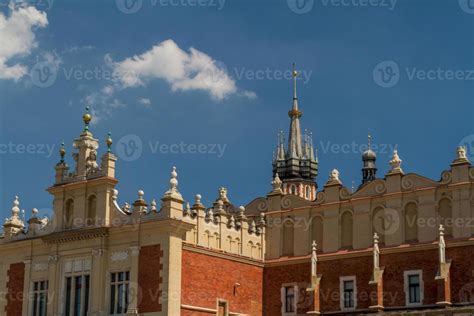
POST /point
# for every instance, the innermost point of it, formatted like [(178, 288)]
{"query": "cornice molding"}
[(75, 235), (222, 255)]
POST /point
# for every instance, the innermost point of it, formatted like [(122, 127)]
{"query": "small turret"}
[(369, 169)]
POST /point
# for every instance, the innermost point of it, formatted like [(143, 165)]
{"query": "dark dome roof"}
[(369, 154)]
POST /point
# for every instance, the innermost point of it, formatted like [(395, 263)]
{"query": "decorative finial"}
[(141, 194), (87, 118), (62, 152), (369, 140), (173, 191), (34, 212), (442, 245), (295, 75), (276, 183), (396, 163), (334, 175), (314, 246), (109, 142), (197, 199)]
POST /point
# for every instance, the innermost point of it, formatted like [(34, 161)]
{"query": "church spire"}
[(295, 148), (297, 164)]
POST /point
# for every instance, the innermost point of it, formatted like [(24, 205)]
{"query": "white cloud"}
[(17, 38), (184, 71), (145, 101)]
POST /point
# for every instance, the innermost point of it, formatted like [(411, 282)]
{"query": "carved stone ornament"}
[(119, 256)]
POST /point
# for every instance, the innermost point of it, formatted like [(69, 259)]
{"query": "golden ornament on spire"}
[(87, 118), (62, 152), (109, 142)]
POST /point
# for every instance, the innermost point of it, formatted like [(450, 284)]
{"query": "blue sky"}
[(423, 104)]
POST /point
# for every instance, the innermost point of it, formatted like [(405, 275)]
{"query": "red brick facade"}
[(206, 278), (149, 279), (461, 279), (14, 296)]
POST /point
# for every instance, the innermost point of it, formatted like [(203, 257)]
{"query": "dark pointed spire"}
[(295, 148)]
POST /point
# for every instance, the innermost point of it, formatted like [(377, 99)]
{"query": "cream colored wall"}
[(392, 193), (220, 237)]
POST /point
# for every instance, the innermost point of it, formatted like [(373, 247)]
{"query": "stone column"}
[(134, 287), (98, 282), (26, 287), (54, 286)]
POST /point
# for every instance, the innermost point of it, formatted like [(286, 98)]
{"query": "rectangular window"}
[(119, 292), (39, 298), (77, 295), (413, 287), (289, 299), (348, 290), (348, 294)]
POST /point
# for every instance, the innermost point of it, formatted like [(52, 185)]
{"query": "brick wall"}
[(14, 296), (462, 279), (149, 279), (206, 278)]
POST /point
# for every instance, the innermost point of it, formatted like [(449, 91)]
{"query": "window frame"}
[(225, 304), (86, 291), (406, 277), (342, 281), (283, 294), (36, 311), (116, 284)]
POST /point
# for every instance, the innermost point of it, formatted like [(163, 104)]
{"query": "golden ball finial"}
[(87, 118), (109, 142), (62, 152)]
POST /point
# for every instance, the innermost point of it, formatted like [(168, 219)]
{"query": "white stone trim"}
[(283, 299), (341, 292), (406, 287)]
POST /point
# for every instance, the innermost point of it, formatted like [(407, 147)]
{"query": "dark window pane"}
[(67, 310), (86, 295)]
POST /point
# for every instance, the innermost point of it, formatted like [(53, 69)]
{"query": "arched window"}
[(293, 189), (91, 210), (411, 222), (288, 237), (308, 192), (317, 232), (69, 213), (379, 223), (346, 230), (445, 212)]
